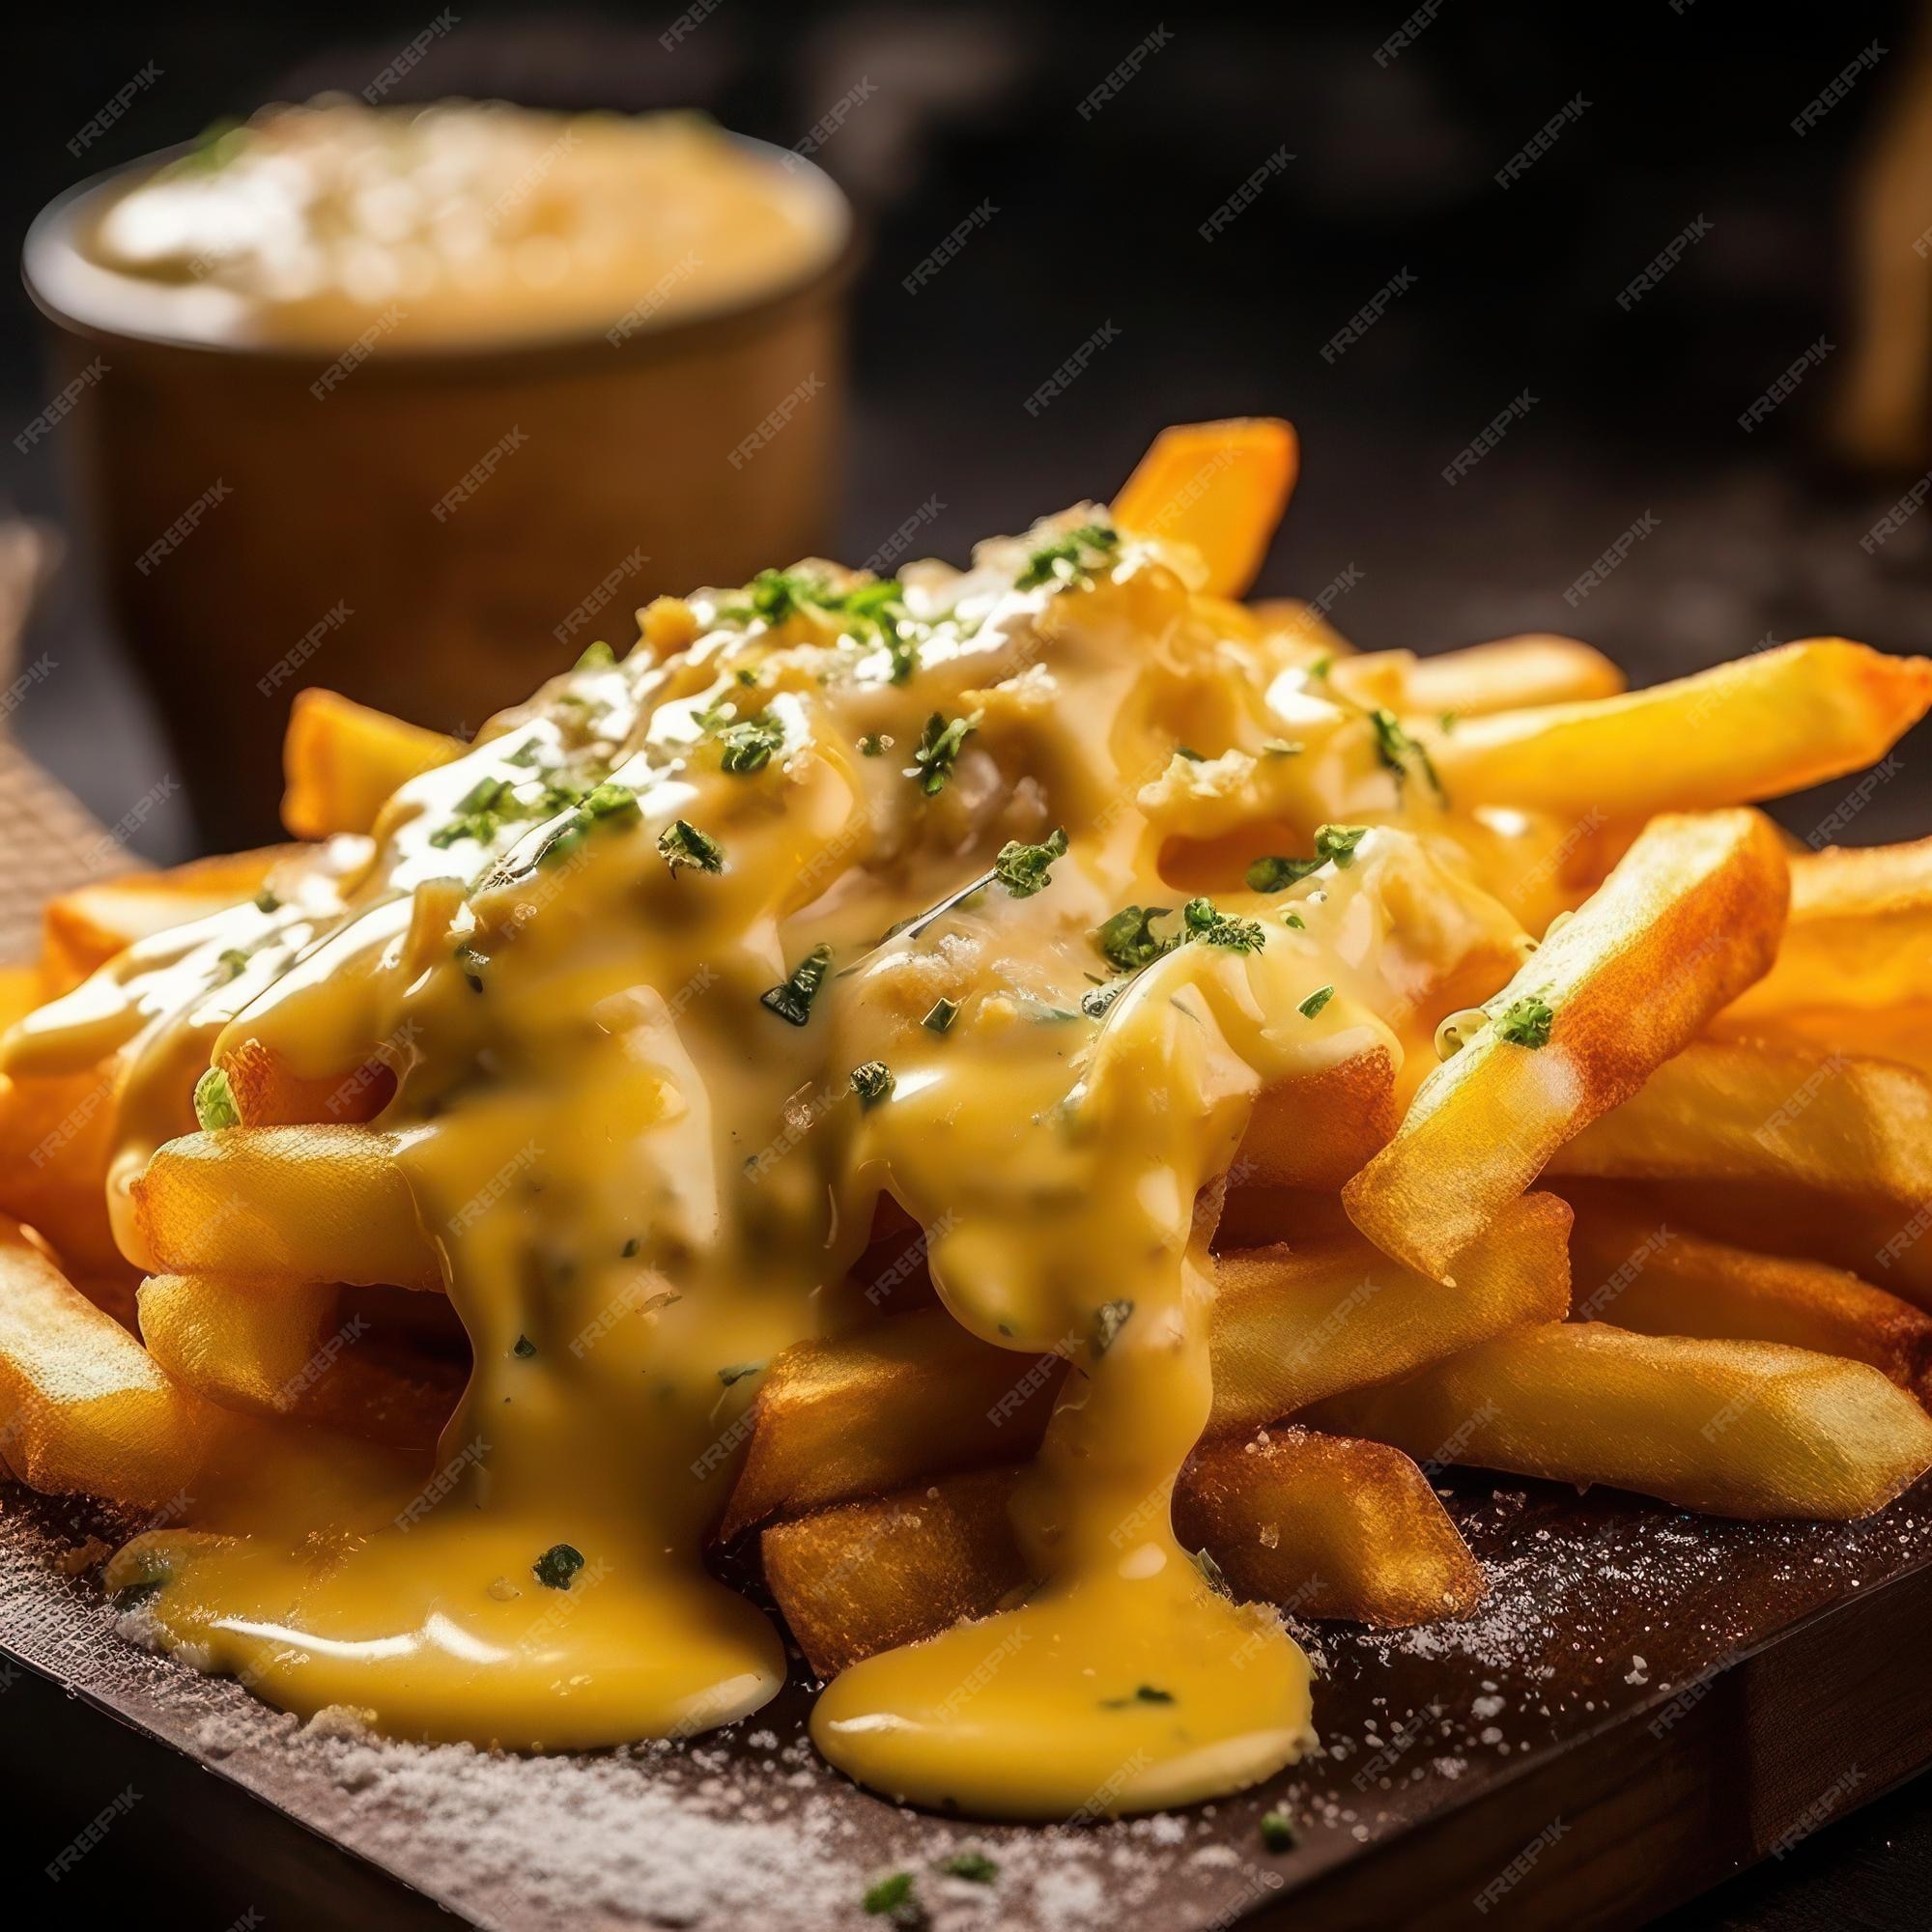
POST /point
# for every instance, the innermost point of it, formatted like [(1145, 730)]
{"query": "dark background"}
[(1756, 535), (1098, 219)]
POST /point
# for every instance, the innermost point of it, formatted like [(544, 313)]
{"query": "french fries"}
[(1822, 1154), (286, 1348), (1318, 1524), (1635, 1271), (85, 928), (1747, 730), (1220, 487), (1688, 917), (1860, 935), (342, 760), (914, 1397), (1740, 1429), (1651, 1216), (285, 1203), (84, 1409), (1509, 674)]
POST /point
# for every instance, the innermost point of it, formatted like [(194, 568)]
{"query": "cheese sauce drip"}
[(831, 895)]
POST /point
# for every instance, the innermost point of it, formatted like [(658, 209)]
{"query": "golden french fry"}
[(1318, 1131), (269, 1092), (341, 761), (1302, 627), (56, 1138), (82, 930), (21, 990), (282, 1203), (1854, 1130), (1290, 1324), (1509, 674), (1860, 934), (292, 1348), (84, 1409), (870, 1576), (1327, 1527), (1866, 1033), (1742, 1428), (1689, 915), (1764, 724), (1218, 486), (911, 1397), (1633, 1268), (915, 1395), (1322, 1525)]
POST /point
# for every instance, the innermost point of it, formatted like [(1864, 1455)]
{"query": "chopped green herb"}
[(611, 801), (1337, 843), (1396, 749), (556, 1566), (597, 657), (215, 1105), (233, 961), (1145, 1693), (681, 843), (477, 813), (871, 745), (1023, 869), (267, 902), (1525, 1022), (942, 1015), (1296, 920), (1333, 845), (749, 747), (1127, 941), (1447, 722), (1278, 1833), (939, 750), (738, 1371), (792, 1002), (1188, 753), (777, 594), (1320, 669), (872, 1082), (1315, 1001), (1109, 1319), (524, 1348), (630, 1248), (1212, 926), (1070, 559), (891, 1895), (976, 1868)]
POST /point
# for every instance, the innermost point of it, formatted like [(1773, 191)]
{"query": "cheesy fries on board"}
[(1027, 1088)]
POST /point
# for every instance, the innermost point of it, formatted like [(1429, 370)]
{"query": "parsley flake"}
[(1397, 748), (1212, 926), (872, 1082), (941, 1016), (749, 746), (892, 1897), (938, 751), (681, 843), (1315, 1001), (1070, 561), (1127, 941), (1023, 869), (215, 1105), (792, 1002), (556, 1566), (1525, 1022), (1278, 1833), (976, 1868)]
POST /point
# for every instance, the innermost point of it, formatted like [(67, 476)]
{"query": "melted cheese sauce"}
[(322, 225), (640, 1163)]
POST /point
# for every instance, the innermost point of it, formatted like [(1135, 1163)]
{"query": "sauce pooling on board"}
[(831, 895)]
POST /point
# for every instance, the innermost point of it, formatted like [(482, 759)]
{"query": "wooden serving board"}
[(1647, 1702)]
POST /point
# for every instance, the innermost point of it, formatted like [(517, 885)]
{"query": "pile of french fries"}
[(1675, 1244)]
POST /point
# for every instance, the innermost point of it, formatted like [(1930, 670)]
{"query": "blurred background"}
[(1608, 322)]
